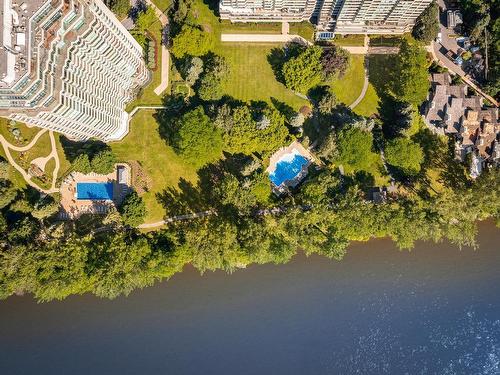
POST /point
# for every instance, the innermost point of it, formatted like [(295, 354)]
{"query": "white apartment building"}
[(377, 16), (68, 66), (340, 16), (266, 10)]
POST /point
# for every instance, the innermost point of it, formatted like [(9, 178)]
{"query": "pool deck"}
[(294, 147), (72, 208)]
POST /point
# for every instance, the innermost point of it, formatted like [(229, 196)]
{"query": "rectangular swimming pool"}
[(94, 190), (288, 167)]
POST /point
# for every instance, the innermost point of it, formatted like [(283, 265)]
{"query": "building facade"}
[(340, 16), (68, 66)]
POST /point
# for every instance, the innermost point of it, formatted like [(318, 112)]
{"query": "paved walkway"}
[(165, 54), (363, 91), (53, 154)]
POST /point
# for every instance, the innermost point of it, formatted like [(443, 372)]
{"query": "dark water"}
[(435, 310)]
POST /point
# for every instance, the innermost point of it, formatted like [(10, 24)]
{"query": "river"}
[(434, 310)]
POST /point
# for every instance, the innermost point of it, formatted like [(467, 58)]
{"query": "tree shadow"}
[(283, 108), (72, 149), (394, 115), (186, 198), (213, 5), (277, 58)]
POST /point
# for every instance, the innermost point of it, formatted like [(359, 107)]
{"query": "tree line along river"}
[(434, 310)]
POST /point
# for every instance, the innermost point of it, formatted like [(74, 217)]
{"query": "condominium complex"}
[(68, 66), (340, 16)]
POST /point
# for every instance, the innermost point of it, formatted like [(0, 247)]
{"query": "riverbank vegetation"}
[(204, 160)]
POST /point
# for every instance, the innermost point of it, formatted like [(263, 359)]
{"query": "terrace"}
[(93, 193), (288, 167)]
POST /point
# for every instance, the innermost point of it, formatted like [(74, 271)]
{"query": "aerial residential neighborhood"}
[(186, 130), (234, 187)]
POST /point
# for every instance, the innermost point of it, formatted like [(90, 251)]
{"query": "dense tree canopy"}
[(335, 61), (355, 148), (145, 19), (482, 23), (119, 7), (192, 70), (133, 209), (410, 82), (196, 139), (405, 154), (427, 25), (305, 70), (192, 41), (243, 134), (211, 83)]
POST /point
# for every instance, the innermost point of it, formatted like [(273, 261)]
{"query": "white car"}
[(438, 39)]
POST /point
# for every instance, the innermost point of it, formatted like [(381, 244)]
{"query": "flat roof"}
[(14, 28)]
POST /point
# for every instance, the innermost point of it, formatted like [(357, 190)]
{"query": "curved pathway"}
[(363, 91), (53, 154)]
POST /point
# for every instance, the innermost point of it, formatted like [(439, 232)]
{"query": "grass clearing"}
[(349, 87), (41, 148), (163, 166), (349, 40), (163, 5), (228, 27), (252, 77), (305, 29), (370, 103)]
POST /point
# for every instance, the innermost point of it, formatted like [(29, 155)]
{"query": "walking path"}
[(363, 91), (177, 218), (165, 54), (53, 154)]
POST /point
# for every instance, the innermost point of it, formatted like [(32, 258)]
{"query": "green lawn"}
[(250, 28), (162, 165), (252, 77), (349, 40), (304, 29), (27, 133), (370, 103), (147, 95), (163, 5), (349, 87)]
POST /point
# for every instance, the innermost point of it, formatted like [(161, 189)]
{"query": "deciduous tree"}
[(410, 82), (303, 71)]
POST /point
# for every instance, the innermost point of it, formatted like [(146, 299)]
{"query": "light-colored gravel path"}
[(53, 154)]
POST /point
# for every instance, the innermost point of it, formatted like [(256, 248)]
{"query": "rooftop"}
[(15, 30)]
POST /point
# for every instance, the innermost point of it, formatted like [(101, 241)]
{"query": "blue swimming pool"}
[(287, 168), (94, 190)]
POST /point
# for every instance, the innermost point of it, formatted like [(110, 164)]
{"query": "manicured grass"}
[(304, 29), (349, 40), (252, 77), (40, 149), (163, 5), (349, 87), (27, 133), (385, 40), (64, 164), (250, 27), (163, 166), (369, 105), (148, 96), (376, 170)]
